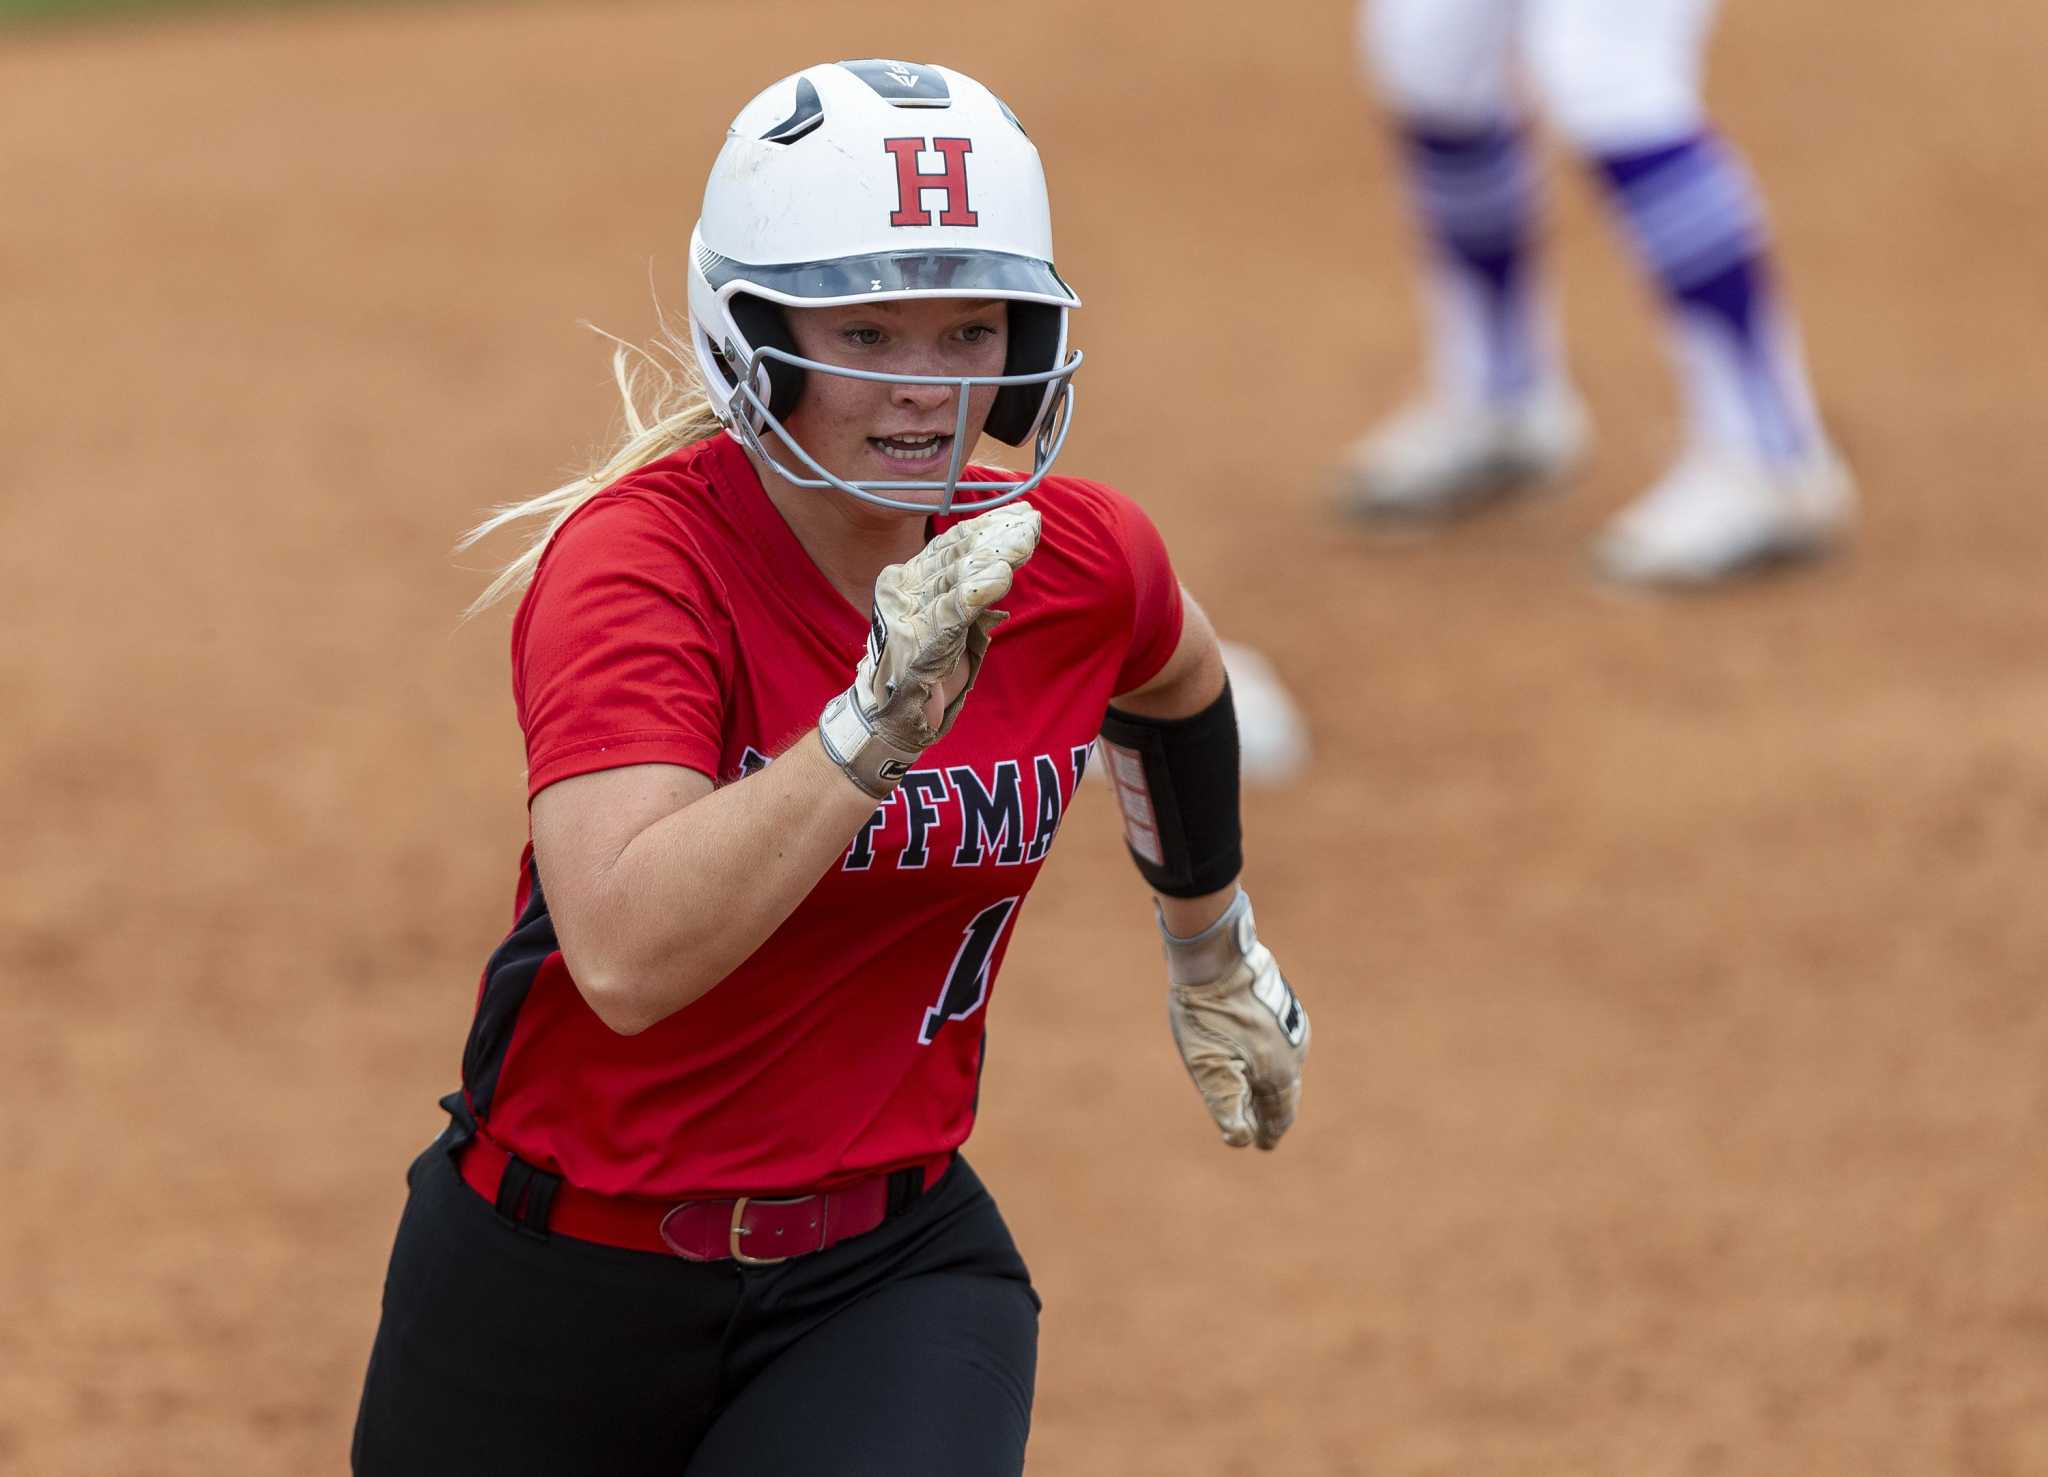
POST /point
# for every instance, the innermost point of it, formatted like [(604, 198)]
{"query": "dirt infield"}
[(1677, 966)]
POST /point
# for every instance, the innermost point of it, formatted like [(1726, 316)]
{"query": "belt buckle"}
[(739, 1209)]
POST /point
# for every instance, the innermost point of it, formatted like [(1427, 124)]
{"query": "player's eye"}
[(978, 333), (866, 338)]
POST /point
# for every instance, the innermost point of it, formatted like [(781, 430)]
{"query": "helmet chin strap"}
[(752, 412)]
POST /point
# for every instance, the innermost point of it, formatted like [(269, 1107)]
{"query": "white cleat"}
[(1435, 461), (1711, 519)]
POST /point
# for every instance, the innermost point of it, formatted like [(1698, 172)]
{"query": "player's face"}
[(872, 430)]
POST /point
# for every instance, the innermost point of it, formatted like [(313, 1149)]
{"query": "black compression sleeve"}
[(1176, 780)]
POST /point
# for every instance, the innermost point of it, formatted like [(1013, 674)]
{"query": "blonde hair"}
[(678, 412)]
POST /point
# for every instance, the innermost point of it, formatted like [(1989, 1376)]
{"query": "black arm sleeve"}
[(1176, 781)]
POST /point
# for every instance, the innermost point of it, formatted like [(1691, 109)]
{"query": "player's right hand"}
[(933, 615)]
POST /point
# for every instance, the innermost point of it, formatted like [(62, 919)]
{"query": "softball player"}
[(806, 695), (1757, 480)]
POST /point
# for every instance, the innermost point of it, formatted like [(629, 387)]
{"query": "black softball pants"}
[(909, 1350)]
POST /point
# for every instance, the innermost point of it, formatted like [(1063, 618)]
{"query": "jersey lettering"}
[(991, 818), (912, 182), (861, 854), (989, 812), (753, 761), (1048, 818), (967, 981), (921, 790)]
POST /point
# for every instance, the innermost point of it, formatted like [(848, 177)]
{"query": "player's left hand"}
[(1239, 1027)]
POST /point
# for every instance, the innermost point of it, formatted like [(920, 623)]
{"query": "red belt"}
[(751, 1230)]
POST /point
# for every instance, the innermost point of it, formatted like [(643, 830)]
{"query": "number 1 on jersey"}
[(967, 981)]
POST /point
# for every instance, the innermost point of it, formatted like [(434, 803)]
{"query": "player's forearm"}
[(1195, 684), (1181, 722), (1184, 917), (698, 891)]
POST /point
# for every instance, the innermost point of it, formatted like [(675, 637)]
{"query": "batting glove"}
[(1239, 1027), (932, 613)]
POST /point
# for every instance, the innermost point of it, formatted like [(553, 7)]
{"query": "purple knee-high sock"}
[(1475, 193), (1698, 225)]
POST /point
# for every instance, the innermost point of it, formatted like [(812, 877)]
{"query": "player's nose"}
[(921, 394)]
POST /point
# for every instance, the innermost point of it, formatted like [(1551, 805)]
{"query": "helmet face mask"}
[(879, 181), (751, 414)]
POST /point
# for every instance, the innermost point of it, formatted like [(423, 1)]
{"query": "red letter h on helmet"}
[(911, 183)]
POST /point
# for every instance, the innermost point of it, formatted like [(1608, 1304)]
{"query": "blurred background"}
[(1677, 965)]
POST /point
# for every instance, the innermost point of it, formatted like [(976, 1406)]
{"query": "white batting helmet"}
[(869, 181)]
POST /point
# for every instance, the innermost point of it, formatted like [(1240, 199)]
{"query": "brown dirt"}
[(1677, 965)]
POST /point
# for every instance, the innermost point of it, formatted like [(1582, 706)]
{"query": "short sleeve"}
[(620, 651), (1156, 605)]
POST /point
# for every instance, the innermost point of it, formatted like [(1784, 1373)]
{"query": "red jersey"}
[(676, 619)]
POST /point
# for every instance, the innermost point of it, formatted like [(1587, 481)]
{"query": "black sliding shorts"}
[(910, 1349)]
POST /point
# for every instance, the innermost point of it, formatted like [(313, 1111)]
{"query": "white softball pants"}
[(1610, 75)]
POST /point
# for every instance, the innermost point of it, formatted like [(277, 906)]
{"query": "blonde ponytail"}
[(678, 413)]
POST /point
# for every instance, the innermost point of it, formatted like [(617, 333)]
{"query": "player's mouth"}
[(911, 454)]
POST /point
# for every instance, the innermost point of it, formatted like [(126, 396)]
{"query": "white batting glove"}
[(931, 614), (1238, 1025)]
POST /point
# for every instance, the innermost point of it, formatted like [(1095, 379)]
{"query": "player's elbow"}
[(630, 995), (610, 998), (615, 990), (622, 1013)]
